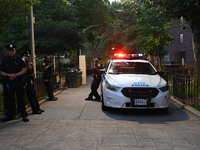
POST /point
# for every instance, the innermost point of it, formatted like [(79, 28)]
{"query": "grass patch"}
[(189, 89), (195, 106)]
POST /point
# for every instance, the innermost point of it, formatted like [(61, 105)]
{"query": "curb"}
[(184, 106), (42, 101)]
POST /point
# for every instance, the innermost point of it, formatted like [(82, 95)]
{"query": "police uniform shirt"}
[(48, 71), (14, 65), (29, 66), (96, 69)]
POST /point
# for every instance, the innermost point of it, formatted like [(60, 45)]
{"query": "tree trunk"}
[(196, 48)]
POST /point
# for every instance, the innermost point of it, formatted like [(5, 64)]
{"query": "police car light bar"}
[(127, 56)]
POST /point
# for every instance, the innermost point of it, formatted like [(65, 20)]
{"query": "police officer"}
[(30, 91), (96, 81), (47, 68), (13, 69)]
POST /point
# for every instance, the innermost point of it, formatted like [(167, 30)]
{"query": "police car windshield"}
[(131, 68)]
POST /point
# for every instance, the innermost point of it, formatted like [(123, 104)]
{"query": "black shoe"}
[(41, 110), (96, 99), (25, 119), (89, 98), (52, 99), (37, 112), (7, 119)]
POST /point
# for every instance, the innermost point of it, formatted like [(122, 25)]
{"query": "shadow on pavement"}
[(174, 113)]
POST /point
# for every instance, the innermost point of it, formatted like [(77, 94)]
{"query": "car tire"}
[(165, 109)]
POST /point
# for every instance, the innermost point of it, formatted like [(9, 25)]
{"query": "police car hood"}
[(135, 80)]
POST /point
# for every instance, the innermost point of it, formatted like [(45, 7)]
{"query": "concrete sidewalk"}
[(71, 123)]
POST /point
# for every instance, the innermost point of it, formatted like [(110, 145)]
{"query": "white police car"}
[(132, 82)]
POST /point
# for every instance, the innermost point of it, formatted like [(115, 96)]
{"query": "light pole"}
[(95, 25), (82, 59), (32, 21)]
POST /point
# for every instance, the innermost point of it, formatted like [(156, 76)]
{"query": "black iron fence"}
[(184, 87), (59, 81)]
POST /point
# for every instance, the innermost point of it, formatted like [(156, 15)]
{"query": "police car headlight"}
[(112, 87), (165, 88)]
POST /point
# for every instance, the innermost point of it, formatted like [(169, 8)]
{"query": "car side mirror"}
[(161, 73)]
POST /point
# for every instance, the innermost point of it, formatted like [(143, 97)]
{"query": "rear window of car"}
[(131, 68)]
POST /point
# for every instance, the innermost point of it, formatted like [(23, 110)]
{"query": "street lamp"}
[(95, 25), (82, 59)]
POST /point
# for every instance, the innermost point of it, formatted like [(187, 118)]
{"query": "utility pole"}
[(32, 39)]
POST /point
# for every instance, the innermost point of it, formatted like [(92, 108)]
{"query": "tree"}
[(139, 28), (149, 34), (189, 10), (56, 26), (9, 9), (93, 17), (17, 33)]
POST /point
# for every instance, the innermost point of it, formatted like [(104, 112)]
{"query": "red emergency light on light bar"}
[(127, 56)]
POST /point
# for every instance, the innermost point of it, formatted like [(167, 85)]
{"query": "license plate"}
[(140, 102)]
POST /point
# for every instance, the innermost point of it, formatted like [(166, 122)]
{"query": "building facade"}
[(181, 50)]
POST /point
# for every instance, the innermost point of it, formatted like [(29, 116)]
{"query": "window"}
[(181, 38), (166, 58), (131, 68)]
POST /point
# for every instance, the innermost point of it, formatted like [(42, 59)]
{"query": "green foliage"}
[(151, 31), (55, 30), (64, 66), (195, 106), (16, 33), (189, 10), (140, 28), (9, 9)]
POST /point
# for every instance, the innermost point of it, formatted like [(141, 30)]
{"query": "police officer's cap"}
[(11, 47), (26, 54)]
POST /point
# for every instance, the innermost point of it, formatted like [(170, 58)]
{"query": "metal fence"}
[(58, 81), (184, 88)]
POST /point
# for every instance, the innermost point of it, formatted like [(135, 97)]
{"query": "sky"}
[(114, 0)]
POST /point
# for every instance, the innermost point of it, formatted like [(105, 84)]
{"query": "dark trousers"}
[(49, 89), (30, 92), (94, 88), (11, 89)]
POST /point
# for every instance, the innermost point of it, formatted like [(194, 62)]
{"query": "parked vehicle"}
[(131, 82)]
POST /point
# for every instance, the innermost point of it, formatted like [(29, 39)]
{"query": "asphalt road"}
[(71, 123)]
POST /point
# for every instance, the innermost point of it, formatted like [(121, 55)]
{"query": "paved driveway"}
[(71, 123)]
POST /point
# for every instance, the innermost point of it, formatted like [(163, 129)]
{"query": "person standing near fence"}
[(13, 69), (96, 80), (30, 90), (47, 68)]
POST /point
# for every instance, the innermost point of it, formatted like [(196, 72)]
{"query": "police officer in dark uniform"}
[(13, 69), (47, 67), (96, 81), (30, 90)]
